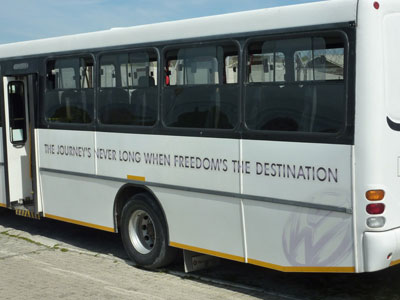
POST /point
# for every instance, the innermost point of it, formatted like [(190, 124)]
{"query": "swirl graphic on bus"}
[(317, 238)]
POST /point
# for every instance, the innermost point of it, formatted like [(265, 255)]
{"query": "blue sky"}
[(33, 19)]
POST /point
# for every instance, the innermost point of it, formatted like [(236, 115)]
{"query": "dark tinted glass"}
[(69, 94), (296, 85), (201, 89), (128, 89)]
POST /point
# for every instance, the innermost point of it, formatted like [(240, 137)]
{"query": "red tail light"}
[(375, 208)]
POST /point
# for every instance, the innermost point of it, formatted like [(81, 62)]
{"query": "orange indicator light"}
[(375, 195)]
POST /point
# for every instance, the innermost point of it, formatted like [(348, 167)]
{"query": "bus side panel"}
[(66, 196), (305, 172), (67, 150), (185, 162), (3, 198), (79, 200), (204, 223), (387, 152), (176, 169), (377, 135), (292, 239), (288, 233)]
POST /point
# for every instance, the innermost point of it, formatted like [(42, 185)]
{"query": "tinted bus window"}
[(69, 90), (201, 89), (296, 85), (128, 88)]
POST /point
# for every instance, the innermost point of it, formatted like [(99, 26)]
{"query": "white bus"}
[(269, 137)]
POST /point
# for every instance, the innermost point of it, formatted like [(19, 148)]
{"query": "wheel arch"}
[(123, 196)]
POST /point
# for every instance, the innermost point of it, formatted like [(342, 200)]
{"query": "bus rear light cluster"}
[(375, 208)]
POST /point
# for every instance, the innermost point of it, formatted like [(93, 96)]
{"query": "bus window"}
[(303, 90), (69, 94), (128, 88), (201, 89), (320, 63)]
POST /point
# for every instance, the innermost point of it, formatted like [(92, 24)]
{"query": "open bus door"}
[(19, 144)]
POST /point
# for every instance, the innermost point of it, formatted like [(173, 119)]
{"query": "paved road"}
[(47, 259), (53, 260)]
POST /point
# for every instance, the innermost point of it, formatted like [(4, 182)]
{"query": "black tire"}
[(144, 233)]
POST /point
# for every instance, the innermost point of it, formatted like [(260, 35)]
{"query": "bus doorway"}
[(18, 143)]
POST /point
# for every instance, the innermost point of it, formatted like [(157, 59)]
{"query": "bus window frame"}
[(203, 131), (68, 126), (127, 128), (346, 134)]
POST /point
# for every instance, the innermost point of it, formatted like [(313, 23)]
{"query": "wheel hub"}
[(142, 232)]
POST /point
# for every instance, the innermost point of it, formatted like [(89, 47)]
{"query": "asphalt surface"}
[(47, 259)]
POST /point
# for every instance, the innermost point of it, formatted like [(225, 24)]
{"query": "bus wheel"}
[(144, 233)]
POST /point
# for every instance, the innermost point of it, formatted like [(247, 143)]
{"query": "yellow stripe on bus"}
[(3, 205), (209, 252), (395, 262), (136, 178), (302, 269), (264, 264), (80, 223)]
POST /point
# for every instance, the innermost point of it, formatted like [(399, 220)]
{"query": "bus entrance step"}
[(27, 213)]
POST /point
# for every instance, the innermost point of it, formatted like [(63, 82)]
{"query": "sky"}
[(23, 20)]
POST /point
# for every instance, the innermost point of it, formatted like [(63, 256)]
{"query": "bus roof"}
[(308, 14)]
